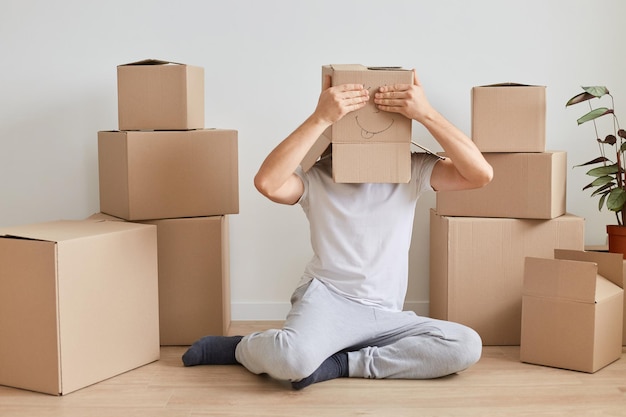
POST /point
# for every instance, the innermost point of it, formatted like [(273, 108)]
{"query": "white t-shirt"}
[(361, 233)]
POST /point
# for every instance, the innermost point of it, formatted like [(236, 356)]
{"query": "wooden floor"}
[(499, 385)]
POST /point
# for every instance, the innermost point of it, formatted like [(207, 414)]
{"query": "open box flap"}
[(560, 279), (151, 61), (610, 265), (63, 230)]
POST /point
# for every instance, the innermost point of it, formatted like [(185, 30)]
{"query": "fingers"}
[(354, 92), (416, 80), (354, 99), (335, 102), (400, 87), (391, 98), (394, 88), (326, 82), (391, 106), (350, 87)]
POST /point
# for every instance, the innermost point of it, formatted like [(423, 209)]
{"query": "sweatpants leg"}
[(319, 324), (380, 344), (413, 347)]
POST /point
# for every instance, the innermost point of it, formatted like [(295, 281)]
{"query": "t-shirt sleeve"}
[(303, 201), (422, 165)]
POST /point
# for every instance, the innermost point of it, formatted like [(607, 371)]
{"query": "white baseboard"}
[(242, 311), (421, 308), (259, 311)]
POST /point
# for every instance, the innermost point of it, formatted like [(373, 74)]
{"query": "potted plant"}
[(609, 173)]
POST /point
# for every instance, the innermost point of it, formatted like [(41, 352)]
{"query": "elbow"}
[(262, 186), (265, 187), (484, 176)]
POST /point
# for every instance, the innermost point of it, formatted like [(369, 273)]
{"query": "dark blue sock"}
[(212, 350), (334, 367)]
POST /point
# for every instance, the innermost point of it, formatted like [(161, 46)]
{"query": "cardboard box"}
[(194, 277), (572, 310), (524, 185), (368, 145), (605, 248), (509, 117), (477, 268), (168, 174), (160, 95), (78, 303)]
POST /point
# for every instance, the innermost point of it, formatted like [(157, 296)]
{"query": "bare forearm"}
[(281, 163), (276, 179), (467, 158)]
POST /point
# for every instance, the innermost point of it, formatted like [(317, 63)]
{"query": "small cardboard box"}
[(509, 117), (572, 310), (78, 303), (524, 185), (194, 277), (168, 174), (160, 95), (368, 145), (477, 268), (605, 248)]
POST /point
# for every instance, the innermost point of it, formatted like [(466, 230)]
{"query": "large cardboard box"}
[(477, 268), (368, 145), (572, 310), (168, 174), (78, 303), (509, 117), (160, 95), (194, 278), (524, 185)]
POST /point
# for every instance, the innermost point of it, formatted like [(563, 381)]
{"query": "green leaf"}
[(623, 147), (605, 189), (602, 171), (616, 199), (601, 181), (596, 91), (601, 202), (594, 114)]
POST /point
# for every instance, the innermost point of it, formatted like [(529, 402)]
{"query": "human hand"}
[(335, 102), (406, 99)]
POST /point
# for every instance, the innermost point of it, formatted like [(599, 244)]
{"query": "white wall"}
[(262, 64)]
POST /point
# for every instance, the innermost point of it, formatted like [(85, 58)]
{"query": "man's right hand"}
[(335, 102)]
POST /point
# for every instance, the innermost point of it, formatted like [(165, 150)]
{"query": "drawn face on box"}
[(369, 124), (372, 121)]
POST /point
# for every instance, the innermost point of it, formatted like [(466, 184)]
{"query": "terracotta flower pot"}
[(617, 239)]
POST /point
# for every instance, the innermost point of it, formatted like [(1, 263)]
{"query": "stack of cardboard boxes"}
[(84, 300), (162, 167), (480, 239)]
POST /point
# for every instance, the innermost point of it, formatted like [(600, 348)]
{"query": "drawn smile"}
[(368, 134)]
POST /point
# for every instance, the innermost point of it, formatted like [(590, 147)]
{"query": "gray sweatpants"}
[(380, 343)]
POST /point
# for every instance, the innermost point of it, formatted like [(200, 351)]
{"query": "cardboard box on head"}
[(368, 145)]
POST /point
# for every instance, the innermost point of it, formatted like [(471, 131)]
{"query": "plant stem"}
[(620, 153)]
